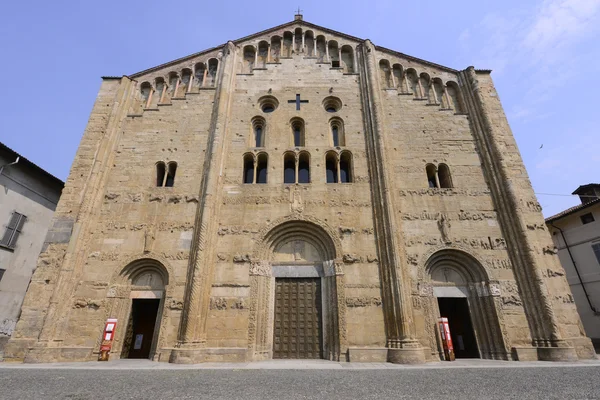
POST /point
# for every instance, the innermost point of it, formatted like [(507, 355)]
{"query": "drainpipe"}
[(587, 296)]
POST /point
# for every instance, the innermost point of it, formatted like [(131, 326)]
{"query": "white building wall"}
[(28, 191), (580, 239)]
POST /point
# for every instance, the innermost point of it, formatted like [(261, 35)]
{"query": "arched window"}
[(186, 76), (413, 82), (331, 166), (298, 38), (425, 86), (444, 176), (263, 54), (309, 43), (303, 168), (338, 169), (213, 66), (262, 163), (298, 132), (321, 48), (248, 168), (431, 175), (337, 133), (171, 170), (438, 88), (346, 167), (386, 74), (334, 53), (199, 75), (398, 73), (258, 132), (275, 48), (287, 44), (160, 86), (248, 62), (160, 173), (454, 97), (145, 94), (173, 84), (348, 59), (289, 168)]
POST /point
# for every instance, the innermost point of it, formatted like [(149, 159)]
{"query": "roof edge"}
[(571, 210), (31, 164)]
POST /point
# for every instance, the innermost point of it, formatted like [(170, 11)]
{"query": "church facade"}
[(298, 193)]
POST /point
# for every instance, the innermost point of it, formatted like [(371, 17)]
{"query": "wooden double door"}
[(297, 329)]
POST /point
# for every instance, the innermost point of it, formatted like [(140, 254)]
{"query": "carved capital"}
[(260, 268)]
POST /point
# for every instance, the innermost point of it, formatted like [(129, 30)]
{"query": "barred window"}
[(13, 230)]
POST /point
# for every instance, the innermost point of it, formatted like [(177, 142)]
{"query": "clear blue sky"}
[(545, 55)]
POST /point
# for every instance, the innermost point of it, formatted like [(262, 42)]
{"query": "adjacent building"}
[(576, 235), (28, 198), (298, 193)]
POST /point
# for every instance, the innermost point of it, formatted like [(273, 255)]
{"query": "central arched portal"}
[(298, 294)]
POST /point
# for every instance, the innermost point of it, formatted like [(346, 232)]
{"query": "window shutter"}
[(596, 248), (13, 230)]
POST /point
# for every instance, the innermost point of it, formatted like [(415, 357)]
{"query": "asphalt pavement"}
[(488, 381)]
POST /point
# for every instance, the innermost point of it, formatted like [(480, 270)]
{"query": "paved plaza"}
[(465, 379)]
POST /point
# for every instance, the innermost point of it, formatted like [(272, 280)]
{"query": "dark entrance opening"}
[(297, 330), (142, 322), (456, 309)]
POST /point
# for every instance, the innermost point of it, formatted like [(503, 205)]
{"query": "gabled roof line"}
[(294, 22)]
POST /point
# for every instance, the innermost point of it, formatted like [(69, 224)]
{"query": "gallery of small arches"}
[(421, 86), (177, 83), (258, 55)]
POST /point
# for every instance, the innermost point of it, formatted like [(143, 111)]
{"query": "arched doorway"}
[(461, 292), (297, 287), (139, 303)]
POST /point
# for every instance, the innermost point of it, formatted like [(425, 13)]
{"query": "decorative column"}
[(163, 94), (422, 92), (446, 97), (176, 87), (149, 97), (327, 51), (204, 75), (191, 346), (395, 280), (190, 83), (432, 91)]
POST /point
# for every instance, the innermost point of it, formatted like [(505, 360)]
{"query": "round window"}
[(268, 104), (332, 104)]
